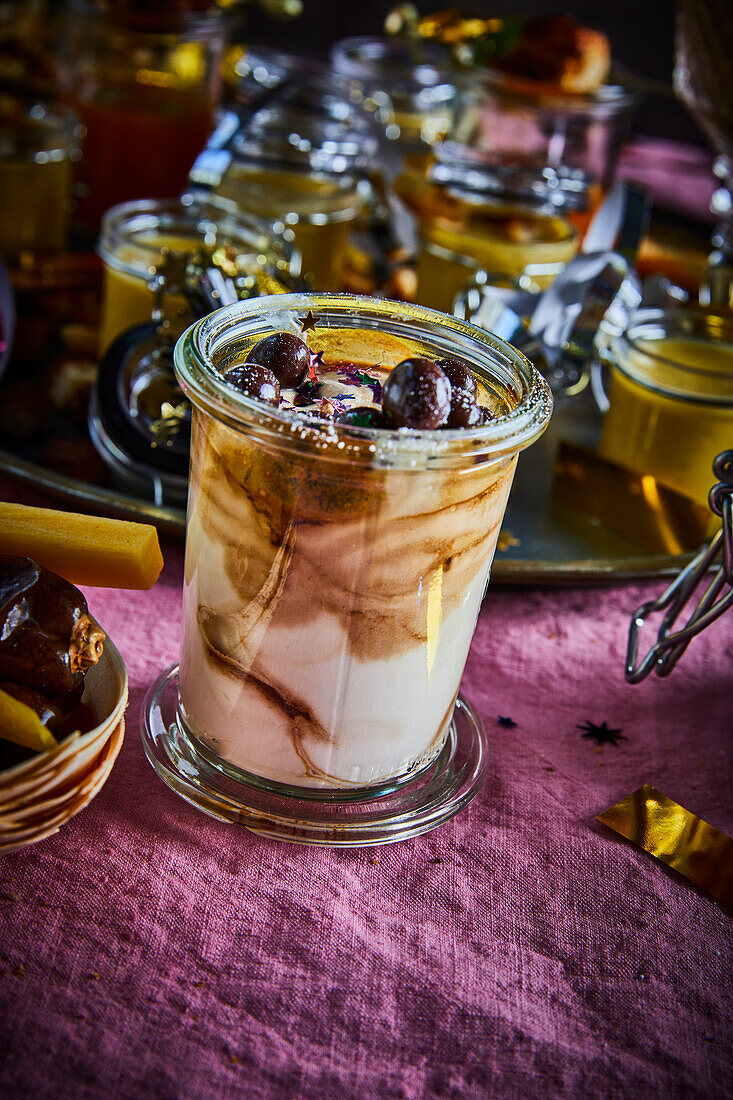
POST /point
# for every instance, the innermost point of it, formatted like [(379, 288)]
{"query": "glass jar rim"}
[(507, 434), (122, 223), (470, 171), (630, 353)]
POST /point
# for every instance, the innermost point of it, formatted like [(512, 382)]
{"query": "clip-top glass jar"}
[(145, 84), (670, 396), (333, 578), (38, 144), (302, 160), (137, 236)]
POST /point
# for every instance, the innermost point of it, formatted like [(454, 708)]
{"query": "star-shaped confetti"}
[(505, 723), (312, 375), (362, 378), (601, 735), (308, 322)]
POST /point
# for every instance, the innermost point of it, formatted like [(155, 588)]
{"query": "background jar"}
[(520, 122), (411, 91), (131, 245), (302, 159), (38, 145), (472, 216), (145, 87), (670, 396)]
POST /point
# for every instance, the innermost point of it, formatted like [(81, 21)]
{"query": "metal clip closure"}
[(717, 597)]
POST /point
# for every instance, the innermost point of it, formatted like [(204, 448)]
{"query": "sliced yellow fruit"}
[(106, 553), (22, 726)]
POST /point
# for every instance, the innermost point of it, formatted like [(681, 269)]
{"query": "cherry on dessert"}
[(460, 377), (362, 416), (256, 381), (416, 395), (286, 355)]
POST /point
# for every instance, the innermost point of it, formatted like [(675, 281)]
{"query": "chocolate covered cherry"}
[(362, 416), (256, 381), (416, 395), (286, 355), (460, 377)]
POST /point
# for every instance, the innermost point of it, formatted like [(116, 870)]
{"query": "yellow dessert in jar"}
[(460, 234), (37, 147), (136, 239), (319, 209), (671, 397)]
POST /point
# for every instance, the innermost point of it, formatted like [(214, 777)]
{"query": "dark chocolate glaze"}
[(38, 615)]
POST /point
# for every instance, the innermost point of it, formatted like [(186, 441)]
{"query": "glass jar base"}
[(329, 818)]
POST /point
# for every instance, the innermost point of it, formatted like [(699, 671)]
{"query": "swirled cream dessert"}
[(333, 578)]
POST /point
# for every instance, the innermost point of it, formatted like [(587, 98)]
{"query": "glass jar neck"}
[(206, 350)]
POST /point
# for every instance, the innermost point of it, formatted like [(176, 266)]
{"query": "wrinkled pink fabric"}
[(520, 950)]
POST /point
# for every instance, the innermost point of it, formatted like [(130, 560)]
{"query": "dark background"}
[(641, 34)]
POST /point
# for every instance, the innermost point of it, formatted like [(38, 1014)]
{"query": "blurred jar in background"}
[(145, 81), (300, 159), (474, 214), (137, 236), (519, 122), (39, 144), (670, 397), (410, 88)]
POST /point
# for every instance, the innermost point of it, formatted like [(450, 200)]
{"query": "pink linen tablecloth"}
[(521, 950)]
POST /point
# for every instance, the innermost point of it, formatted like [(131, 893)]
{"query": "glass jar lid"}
[(310, 124), (415, 73), (609, 101)]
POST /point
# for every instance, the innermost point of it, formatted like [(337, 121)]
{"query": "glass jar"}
[(137, 236), (473, 216), (145, 86), (411, 90), (670, 396), (410, 83), (520, 122), (334, 573), (302, 161), (38, 144)]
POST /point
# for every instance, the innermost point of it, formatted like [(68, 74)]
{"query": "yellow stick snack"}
[(22, 726), (106, 553)]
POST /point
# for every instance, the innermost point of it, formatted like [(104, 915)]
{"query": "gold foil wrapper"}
[(677, 837)]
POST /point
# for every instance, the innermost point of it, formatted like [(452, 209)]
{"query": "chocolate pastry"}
[(47, 638)]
